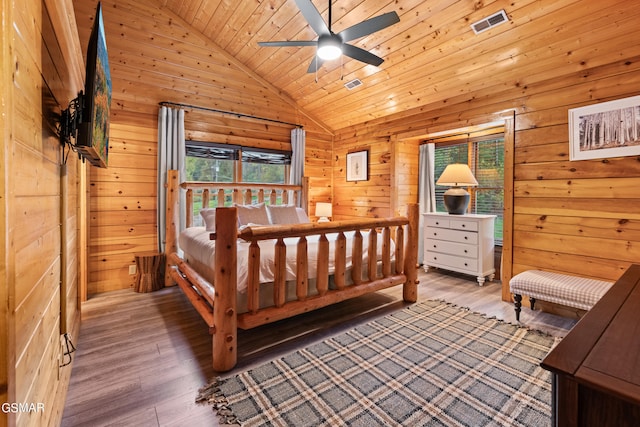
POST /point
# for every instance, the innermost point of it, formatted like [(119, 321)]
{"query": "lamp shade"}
[(456, 175), (323, 210)]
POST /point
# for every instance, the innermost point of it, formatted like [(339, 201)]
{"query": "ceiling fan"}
[(331, 45)]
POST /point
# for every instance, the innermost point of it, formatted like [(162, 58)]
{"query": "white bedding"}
[(198, 251)]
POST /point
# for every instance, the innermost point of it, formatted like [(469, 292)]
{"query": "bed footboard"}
[(225, 313), (368, 271)]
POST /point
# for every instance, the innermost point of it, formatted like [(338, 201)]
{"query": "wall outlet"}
[(132, 269)]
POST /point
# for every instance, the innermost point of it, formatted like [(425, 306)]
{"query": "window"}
[(210, 162), (485, 157), (223, 163), (260, 165)]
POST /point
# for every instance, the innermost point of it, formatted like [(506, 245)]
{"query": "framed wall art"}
[(358, 166), (608, 129)]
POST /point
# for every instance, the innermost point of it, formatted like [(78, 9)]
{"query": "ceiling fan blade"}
[(289, 43), (315, 64), (312, 16), (369, 26), (361, 55)]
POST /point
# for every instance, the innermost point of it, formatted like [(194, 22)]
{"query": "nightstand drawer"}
[(453, 261), (456, 236), (451, 248), (463, 225), (436, 222)]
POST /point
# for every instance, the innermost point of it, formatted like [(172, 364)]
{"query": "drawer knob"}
[(435, 246), (437, 223), (465, 264), (465, 251), (464, 225), (466, 238)]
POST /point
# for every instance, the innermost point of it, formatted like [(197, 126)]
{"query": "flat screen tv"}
[(93, 131)]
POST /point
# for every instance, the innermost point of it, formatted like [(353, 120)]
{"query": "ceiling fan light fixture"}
[(329, 48), (330, 45)]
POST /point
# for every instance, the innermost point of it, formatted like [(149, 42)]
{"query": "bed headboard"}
[(217, 194)]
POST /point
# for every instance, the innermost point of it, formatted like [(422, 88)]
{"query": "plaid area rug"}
[(431, 364)]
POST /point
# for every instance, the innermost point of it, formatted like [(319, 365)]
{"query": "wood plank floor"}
[(141, 358)]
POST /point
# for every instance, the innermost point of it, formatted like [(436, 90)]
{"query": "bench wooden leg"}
[(518, 303)]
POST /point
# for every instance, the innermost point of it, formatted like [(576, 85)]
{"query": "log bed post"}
[(172, 219), (225, 312), (303, 200), (410, 288)]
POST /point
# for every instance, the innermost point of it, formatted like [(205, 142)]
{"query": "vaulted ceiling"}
[(432, 56)]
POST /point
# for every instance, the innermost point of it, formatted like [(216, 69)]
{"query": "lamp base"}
[(323, 219), (456, 200)]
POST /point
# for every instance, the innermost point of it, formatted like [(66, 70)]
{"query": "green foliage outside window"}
[(214, 170), (260, 172)]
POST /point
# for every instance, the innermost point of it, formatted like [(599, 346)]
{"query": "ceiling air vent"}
[(489, 22), (353, 84)]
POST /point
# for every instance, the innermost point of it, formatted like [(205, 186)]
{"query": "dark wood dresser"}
[(596, 367)]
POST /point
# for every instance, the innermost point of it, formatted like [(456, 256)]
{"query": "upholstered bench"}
[(571, 291)]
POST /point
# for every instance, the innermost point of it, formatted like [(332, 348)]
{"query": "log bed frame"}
[(218, 304)]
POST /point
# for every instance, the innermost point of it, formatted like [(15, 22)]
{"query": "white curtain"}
[(296, 172), (426, 190), (171, 153)]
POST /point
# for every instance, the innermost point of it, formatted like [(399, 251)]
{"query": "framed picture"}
[(608, 129), (358, 166)]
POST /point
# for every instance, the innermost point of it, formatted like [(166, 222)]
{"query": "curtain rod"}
[(239, 115)]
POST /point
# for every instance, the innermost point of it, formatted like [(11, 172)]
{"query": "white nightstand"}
[(462, 243)]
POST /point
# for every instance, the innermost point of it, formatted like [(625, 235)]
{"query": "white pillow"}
[(209, 217), (283, 214), (254, 214), (303, 218)]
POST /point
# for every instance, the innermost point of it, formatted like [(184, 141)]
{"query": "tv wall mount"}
[(70, 120)]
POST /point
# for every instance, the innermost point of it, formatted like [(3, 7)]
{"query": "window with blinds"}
[(207, 161), (485, 156)]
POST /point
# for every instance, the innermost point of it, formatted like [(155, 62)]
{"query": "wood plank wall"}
[(404, 173), (41, 64), (155, 57), (578, 217), (393, 177)]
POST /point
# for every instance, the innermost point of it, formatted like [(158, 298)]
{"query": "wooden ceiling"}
[(432, 56)]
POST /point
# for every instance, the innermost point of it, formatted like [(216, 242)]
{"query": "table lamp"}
[(323, 211), (456, 198)]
